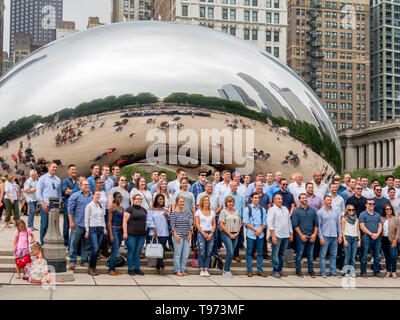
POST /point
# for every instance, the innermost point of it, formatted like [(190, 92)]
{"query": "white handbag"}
[(154, 250)]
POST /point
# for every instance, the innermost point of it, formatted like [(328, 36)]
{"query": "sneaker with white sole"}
[(202, 273), (227, 274), (206, 274)]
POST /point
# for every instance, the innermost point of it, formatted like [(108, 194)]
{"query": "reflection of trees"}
[(307, 133), (303, 131)]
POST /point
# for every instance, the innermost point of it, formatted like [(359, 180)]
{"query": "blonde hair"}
[(9, 178), (203, 198), (158, 189), (346, 211), (37, 246)]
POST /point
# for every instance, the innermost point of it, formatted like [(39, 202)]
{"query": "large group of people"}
[(335, 220)]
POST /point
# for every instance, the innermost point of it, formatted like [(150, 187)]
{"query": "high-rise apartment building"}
[(131, 10), (24, 46), (262, 22), (36, 17), (385, 60), (329, 47), (1, 34)]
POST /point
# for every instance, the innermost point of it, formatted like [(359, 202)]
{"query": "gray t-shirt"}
[(231, 220), (189, 201), (125, 197), (215, 200), (29, 185)]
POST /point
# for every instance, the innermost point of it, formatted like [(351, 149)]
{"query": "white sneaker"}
[(206, 274), (202, 274), (227, 274)]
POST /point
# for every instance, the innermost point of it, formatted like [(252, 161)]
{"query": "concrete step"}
[(102, 269)]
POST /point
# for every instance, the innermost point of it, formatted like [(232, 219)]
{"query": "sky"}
[(74, 10)]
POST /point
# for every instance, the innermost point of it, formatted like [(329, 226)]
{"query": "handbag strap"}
[(145, 198)]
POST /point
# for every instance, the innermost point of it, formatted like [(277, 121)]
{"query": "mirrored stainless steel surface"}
[(160, 58)]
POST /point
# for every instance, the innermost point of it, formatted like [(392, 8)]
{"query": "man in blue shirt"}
[(305, 222), (371, 229), (49, 185), (67, 186), (198, 186), (76, 212), (379, 200), (255, 219), (288, 199), (154, 180), (116, 170), (95, 169), (330, 235), (252, 186)]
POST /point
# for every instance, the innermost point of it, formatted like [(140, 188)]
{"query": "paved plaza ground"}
[(171, 287)]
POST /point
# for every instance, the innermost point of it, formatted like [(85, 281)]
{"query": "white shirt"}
[(29, 185), (320, 190), (206, 222), (278, 219), (94, 216), (12, 189), (297, 189), (396, 206), (146, 198), (338, 204), (368, 193), (242, 190), (221, 190), (385, 232), (386, 195)]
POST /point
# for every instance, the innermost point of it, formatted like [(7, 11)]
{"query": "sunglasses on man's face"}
[(203, 175), (351, 210), (370, 204)]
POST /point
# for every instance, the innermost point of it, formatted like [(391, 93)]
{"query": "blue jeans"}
[(204, 250), (375, 246), (350, 254), (391, 255), (331, 244), (230, 245), (308, 248), (135, 245), (96, 235), (44, 223), (181, 254), (239, 243), (258, 242), (216, 238), (78, 235), (117, 234), (278, 254), (65, 225), (32, 211)]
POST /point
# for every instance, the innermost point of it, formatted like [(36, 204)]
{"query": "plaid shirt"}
[(197, 188)]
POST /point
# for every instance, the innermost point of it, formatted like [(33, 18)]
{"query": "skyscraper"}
[(385, 60), (131, 10), (328, 46), (1, 34), (261, 22), (38, 18)]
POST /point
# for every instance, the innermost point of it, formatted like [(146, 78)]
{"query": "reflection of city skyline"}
[(236, 93)]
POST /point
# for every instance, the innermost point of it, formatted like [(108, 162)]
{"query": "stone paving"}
[(152, 286)]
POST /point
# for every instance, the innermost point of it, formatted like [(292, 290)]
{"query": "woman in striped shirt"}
[(181, 230)]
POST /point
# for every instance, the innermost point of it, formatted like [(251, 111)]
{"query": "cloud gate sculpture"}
[(161, 58)]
